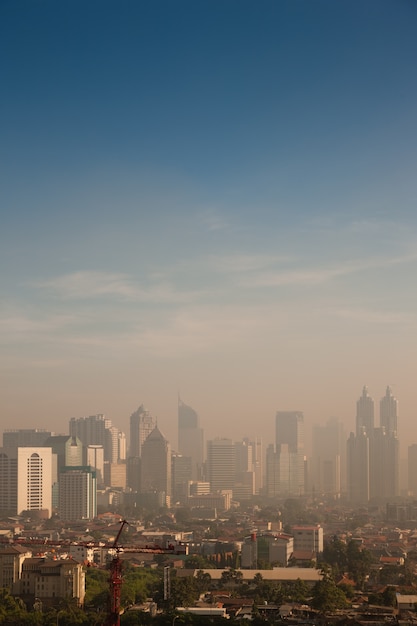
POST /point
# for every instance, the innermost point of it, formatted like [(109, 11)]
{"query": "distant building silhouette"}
[(412, 470), (373, 454), (221, 455), (289, 442), (365, 410), (389, 413), (328, 464), (190, 438), (141, 425), (156, 465)]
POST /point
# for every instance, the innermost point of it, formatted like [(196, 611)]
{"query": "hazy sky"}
[(216, 198)]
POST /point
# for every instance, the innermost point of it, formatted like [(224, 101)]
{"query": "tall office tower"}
[(156, 465), (23, 437), (365, 413), (358, 468), (34, 475), (384, 465), (95, 459), (220, 464), (244, 469), (329, 458), (141, 425), (181, 477), (190, 438), (412, 470), (258, 465), (111, 451), (289, 441), (77, 494), (96, 430), (8, 481), (272, 484), (388, 413), (282, 467), (91, 430)]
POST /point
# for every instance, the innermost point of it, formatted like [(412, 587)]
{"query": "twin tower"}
[(373, 452)]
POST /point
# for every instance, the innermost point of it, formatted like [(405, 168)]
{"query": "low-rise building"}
[(11, 563), (50, 581)]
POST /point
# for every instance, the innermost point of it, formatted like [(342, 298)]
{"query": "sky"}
[(211, 199)]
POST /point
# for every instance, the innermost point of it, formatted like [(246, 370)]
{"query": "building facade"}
[(221, 464), (77, 493)]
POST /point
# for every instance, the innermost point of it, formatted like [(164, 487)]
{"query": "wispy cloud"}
[(25, 327), (315, 276), (245, 262), (90, 284), (373, 316)]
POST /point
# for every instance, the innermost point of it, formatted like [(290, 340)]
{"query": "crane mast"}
[(115, 582)]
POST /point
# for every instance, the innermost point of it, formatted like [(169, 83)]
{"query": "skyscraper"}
[(412, 470), (388, 412), (373, 455), (220, 464), (289, 441), (34, 486), (181, 477), (365, 413), (329, 457), (141, 425), (190, 438), (358, 468), (156, 465), (383, 465), (77, 494)]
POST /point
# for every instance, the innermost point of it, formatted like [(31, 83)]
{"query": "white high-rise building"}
[(95, 459), (34, 473)]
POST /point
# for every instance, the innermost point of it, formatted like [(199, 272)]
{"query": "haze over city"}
[(211, 199)]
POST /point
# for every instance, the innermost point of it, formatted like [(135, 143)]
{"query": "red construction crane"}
[(115, 582), (115, 578)]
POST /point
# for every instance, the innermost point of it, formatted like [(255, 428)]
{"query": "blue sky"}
[(211, 197)]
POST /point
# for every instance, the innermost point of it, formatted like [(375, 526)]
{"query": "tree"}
[(327, 596), (202, 581), (389, 596), (359, 562), (335, 555)]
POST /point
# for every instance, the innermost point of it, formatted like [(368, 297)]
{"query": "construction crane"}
[(115, 581), (115, 577)]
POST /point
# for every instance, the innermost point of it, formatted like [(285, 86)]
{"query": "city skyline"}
[(142, 422), (212, 200), (362, 467)]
